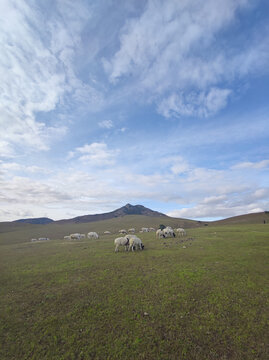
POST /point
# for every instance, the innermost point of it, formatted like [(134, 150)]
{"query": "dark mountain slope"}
[(128, 209), (39, 221)]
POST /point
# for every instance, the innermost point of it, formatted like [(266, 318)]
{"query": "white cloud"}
[(96, 154), (30, 81), (165, 32), (11, 168), (178, 165), (172, 55), (201, 104), (260, 194), (222, 193), (215, 199), (198, 192), (165, 28), (220, 211), (38, 73), (106, 124), (252, 165), (23, 190)]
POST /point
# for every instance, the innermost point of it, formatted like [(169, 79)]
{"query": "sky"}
[(158, 103)]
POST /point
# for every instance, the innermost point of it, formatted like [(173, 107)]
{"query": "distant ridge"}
[(252, 218), (128, 209), (42, 220)]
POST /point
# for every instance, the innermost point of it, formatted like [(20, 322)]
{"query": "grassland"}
[(11, 232), (80, 300)]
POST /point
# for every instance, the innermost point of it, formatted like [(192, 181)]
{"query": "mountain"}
[(38, 221), (128, 209)]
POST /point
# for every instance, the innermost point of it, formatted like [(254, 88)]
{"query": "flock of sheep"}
[(40, 239), (132, 242), (78, 236), (129, 241)]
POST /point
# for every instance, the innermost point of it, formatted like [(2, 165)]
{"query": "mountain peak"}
[(130, 209), (127, 209)]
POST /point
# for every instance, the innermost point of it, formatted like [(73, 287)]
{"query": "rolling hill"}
[(254, 218), (128, 216)]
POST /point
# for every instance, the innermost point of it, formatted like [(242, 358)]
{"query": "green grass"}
[(11, 232), (80, 300)]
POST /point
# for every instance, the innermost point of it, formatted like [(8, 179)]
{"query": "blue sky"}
[(159, 103)]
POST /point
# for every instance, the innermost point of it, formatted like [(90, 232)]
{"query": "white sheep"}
[(168, 232), (135, 242), (159, 234), (93, 235), (121, 241), (181, 232), (122, 231), (75, 236)]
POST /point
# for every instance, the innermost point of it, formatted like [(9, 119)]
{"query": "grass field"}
[(80, 300)]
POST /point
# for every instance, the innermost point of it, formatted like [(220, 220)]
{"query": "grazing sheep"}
[(67, 237), (123, 231), (43, 239), (107, 232), (75, 236), (181, 232), (168, 232), (132, 230), (135, 242), (93, 235), (145, 229), (159, 234), (130, 236), (121, 241)]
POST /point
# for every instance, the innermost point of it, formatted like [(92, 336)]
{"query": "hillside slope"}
[(254, 218), (57, 230)]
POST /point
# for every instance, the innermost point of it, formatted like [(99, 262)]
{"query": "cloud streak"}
[(171, 53), (37, 71), (96, 154)]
